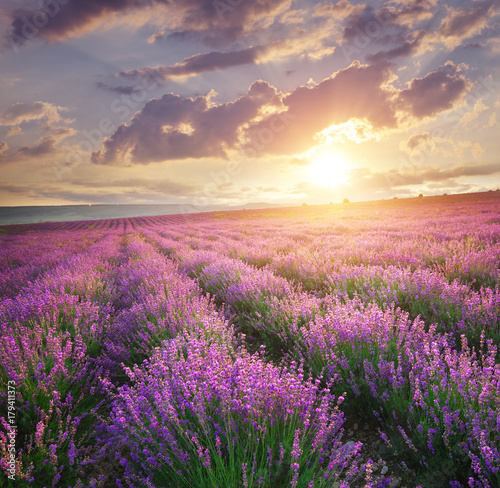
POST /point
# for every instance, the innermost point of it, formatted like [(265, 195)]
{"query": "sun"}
[(327, 167)]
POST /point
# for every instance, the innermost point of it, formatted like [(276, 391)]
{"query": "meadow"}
[(255, 348)]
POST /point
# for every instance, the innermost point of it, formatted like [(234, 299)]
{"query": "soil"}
[(384, 463)]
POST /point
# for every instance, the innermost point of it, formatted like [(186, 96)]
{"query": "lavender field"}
[(255, 348)]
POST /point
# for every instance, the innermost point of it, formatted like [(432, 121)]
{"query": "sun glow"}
[(327, 167)]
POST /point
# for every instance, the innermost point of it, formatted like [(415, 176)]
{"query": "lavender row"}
[(25, 257), (51, 333)]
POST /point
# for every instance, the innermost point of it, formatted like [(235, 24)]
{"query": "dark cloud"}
[(415, 10), (404, 50), (111, 195), (200, 63), (217, 20), (42, 148), (219, 60), (368, 23), (45, 146), (388, 24), (352, 92), (8, 187), (56, 20), (120, 90), (464, 23), (438, 91), (177, 128), (472, 46), (401, 26)]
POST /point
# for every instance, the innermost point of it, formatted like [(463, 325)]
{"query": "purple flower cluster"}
[(208, 414)]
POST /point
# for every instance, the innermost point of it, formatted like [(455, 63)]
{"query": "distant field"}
[(67, 213), (330, 346), (70, 213)]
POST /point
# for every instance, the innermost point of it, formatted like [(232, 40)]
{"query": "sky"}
[(207, 102)]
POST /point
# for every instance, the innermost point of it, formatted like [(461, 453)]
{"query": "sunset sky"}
[(232, 101)]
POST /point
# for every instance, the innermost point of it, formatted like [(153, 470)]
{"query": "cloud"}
[(7, 187), (358, 91), (339, 10), (415, 142), (400, 27), (14, 131), (88, 186), (120, 90), (215, 20), (299, 161), (462, 24), (367, 22), (178, 128), (163, 186), (25, 112), (8, 80), (304, 42), (416, 10), (92, 194), (364, 181), (293, 17), (223, 20), (201, 63), (269, 189), (403, 50), (438, 91), (430, 147), (389, 24), (436, 174), (477, 150), (56, 20), (362, 95), (44, 147), (473, 114)]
